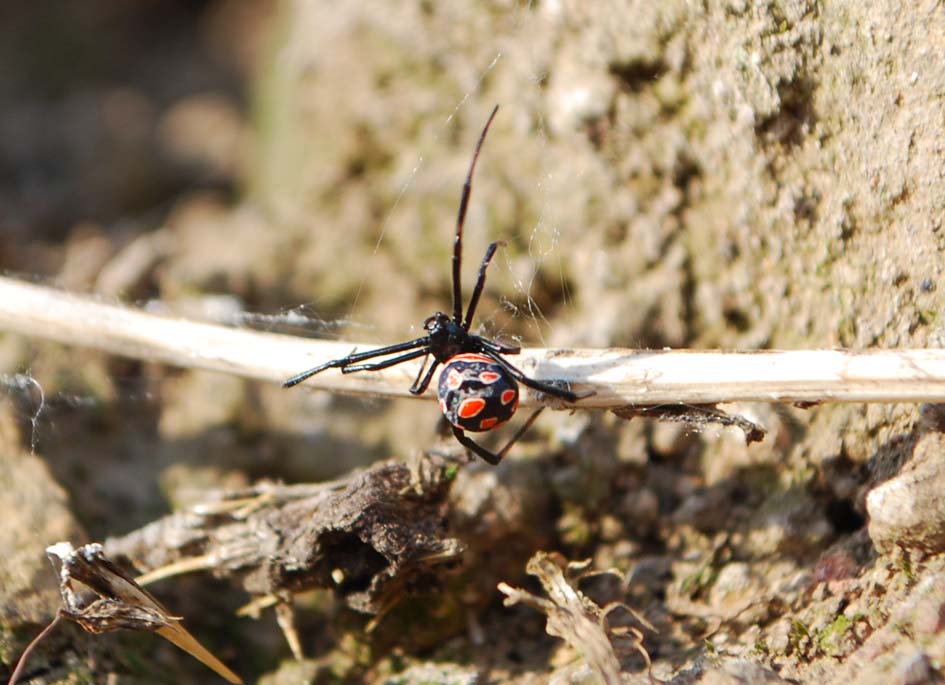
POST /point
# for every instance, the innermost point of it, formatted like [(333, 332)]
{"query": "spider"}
[(478, 387)]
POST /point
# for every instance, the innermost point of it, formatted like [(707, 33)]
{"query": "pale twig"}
[(616, 377)]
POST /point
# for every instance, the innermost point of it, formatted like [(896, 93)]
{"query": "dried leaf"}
[(571, 616), (122, 603)]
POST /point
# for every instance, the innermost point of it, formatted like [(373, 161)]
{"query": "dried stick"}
[(617, 377), (25, 656)]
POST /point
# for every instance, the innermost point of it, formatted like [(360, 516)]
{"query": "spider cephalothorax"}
[(446, 337), (478, 387)]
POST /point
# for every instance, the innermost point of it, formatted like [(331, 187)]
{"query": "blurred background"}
[(720, 175)]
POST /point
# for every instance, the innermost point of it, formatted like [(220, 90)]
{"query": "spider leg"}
[(540, 386), (498, 348), (384, 363), (496, 457), (423, 368), (519, 433), (479, 450), (460, 220), (355, 357), (480, 283), (419, 386)]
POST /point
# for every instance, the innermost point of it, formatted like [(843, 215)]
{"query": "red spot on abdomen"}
[(507, 396), (471, 357), (469, 408)]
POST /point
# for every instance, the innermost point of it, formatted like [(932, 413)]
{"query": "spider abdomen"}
[(476, 394)]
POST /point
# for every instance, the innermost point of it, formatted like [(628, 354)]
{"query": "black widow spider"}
[(477, 388)]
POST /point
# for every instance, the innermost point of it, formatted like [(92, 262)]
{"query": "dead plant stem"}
[(616, 377)]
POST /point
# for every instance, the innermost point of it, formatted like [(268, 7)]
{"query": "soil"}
[(723, 174)]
